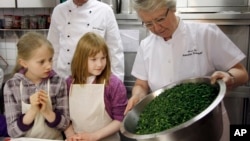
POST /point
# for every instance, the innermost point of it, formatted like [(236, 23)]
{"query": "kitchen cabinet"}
[(7, 4), (36, 3), (28, 3)]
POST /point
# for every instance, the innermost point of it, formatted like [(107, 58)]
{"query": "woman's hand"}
[(131, 103), (226, 77)]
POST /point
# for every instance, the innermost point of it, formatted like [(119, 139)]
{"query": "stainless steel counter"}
[(222, 18), (227, 15)]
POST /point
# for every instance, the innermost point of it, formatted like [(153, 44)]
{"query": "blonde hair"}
[(89, 45), (152, 5), (27, 44)]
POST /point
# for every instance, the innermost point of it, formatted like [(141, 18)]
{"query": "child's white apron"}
[(87, 109), (40, 129)]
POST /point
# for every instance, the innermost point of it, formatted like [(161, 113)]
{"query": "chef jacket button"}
[(69, 10), (68, 22), (68, 63), (67, 49), (90, 11), (87, 24), (68, 36)]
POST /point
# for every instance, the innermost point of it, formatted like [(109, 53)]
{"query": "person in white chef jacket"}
[(72, 19), (175, 50)]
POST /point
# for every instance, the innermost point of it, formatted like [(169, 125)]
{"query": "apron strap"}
[(48, 90), (21, 89)]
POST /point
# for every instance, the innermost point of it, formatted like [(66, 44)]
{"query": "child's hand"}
[(73, 138), (87, 136), (44, 102), (34, 101)]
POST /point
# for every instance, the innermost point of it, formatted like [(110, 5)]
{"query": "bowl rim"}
[(214, 104)]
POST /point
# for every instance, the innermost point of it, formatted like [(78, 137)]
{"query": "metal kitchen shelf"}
[(221, 18), (19, 32), (121, 16)]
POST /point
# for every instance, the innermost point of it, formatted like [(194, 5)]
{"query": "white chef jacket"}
[(196, 49), (69, 23)]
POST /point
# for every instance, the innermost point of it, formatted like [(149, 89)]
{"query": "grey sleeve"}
[(1, 77)]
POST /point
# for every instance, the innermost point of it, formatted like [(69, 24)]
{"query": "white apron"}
[(40, 129), (87, 109)]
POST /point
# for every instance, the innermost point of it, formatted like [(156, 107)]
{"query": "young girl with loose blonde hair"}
[(35, 98)]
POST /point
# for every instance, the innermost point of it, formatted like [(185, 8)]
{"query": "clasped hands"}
[(40, 102)]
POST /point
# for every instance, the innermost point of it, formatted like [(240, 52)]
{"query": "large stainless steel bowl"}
[(206, 126)]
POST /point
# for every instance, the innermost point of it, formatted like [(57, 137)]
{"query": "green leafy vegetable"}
[(175, 106)]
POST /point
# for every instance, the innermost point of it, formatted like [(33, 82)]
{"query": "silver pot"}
[(206, 126)]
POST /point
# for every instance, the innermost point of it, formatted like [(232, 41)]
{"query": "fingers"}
[(43, 97), (221, 75), (34, 99), (74, 138), (128, 108), (39, 99), (131, 103)]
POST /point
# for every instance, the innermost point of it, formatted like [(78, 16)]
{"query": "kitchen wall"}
[(9, 38)]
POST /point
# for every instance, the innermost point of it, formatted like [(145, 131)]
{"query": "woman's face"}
[(162, 22), (97, 64)]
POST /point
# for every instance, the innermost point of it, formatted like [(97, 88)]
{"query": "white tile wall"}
[(8, 39)]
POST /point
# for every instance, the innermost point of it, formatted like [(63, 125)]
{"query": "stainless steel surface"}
[(218, 3), (126, 7), (212, 5), (206, 126), (216, 16), (221, 18), (126, 17)]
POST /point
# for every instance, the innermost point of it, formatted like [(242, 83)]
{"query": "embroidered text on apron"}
[(87, 109), (40, 129)]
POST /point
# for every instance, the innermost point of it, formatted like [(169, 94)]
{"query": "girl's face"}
[(39, 65), (97, 64)]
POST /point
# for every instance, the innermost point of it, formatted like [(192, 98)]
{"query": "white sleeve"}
[(53, 37), (114, 42), (224, 53), (139, 68)]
